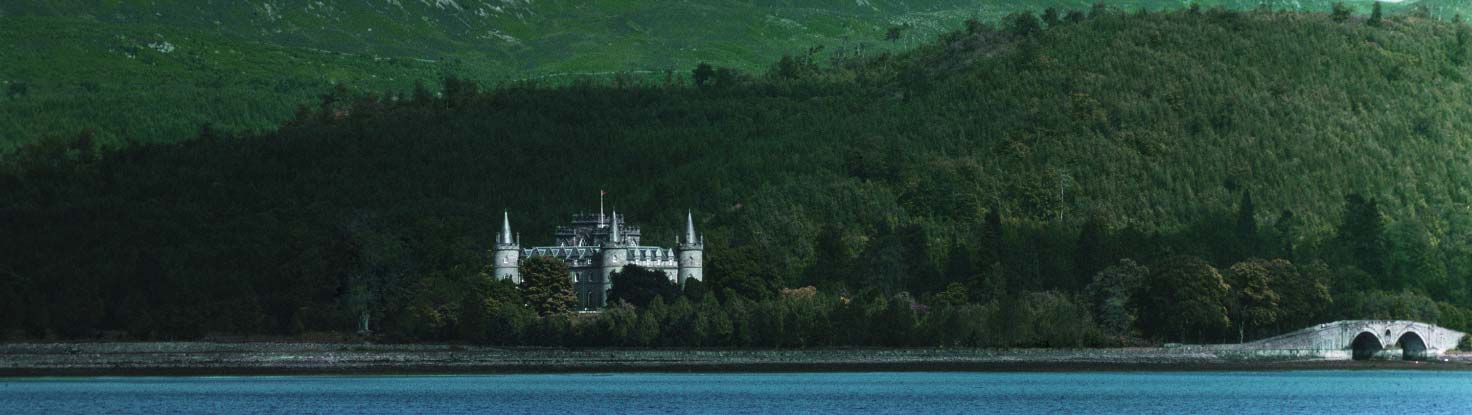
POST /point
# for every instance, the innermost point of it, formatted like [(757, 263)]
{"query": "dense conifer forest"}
[(1065, 178)]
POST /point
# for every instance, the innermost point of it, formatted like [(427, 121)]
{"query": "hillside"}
[(1011, 160), (155, 71)]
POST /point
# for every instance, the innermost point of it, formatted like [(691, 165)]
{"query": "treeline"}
[(640, 316), (1178, 297), (1274, 170)]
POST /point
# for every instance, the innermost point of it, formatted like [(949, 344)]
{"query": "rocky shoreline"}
[(282, 358)]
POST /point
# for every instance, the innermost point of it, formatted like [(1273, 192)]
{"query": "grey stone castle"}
[(597, 245)]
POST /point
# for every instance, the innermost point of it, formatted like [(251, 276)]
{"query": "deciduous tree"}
[(1184, 295), (639, 285), (1253, 301)]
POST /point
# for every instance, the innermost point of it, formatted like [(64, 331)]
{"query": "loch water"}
[(1303, 392)]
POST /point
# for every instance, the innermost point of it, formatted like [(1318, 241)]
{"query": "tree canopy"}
[(639, 285)]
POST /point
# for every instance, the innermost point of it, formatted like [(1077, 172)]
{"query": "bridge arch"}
[(1365, 345), (1412, 346)]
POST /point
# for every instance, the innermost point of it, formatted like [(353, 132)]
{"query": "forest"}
[(1064, 178)]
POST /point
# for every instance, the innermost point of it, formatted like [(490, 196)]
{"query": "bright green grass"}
[(240, 67)]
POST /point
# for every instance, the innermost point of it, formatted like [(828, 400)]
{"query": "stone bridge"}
[(1359, 340)]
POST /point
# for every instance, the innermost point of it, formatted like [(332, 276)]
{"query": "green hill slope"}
[(1031, 154), (155, 71)]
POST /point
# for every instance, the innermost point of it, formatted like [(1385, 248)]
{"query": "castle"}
[(596, 246)]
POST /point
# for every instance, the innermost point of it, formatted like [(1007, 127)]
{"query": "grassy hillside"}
[(1010, 159), (155, 71)]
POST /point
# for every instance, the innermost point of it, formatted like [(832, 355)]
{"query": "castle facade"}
[(597, 245)]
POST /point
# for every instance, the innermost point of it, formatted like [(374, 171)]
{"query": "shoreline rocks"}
[(279, 358)]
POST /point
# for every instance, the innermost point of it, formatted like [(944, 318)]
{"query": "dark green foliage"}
[(1283, 234), (1454, 317), (974, 26), (1051, 17), (1245, 237), (960, 267), (17, 89), (1253, 301), (1074, 16), (1184, 298), (1376, 16), (380, 263), (638, 286), (1362, 236), (546, 285), (894, 33), (921, 275), (1462, 47), (990, 236), (459, 92), (1091, 254), (832, 260), (1024, 24), (808, 318), (1339, 12), (1246, 219), (990, 285), (726, 78), (742, 271), (861, 177), (702, 74), (1112, 295), (955, 294), (696, 290), (794, 67), (1303, 292), (882, 265), (421, 95), (1391, 305), (474, 322)]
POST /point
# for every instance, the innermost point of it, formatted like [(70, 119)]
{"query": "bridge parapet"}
[(1351, 338)]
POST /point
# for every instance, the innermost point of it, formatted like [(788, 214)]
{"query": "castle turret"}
[(507, 253), (691, 253), (614, 257)]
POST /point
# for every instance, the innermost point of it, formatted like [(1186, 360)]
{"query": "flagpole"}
[(600, 207)]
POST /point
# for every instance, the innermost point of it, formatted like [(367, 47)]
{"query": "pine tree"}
[(1089, 256), (422, 96), (702, 74), (831, 258), (959, 266), (1050, 16), (1246, 232), (1362, 234), (546, 286), (1339, 12), (1283, 229)]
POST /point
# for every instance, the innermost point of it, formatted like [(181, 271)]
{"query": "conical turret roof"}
[(613, 234), (689, 227), (505, 237)]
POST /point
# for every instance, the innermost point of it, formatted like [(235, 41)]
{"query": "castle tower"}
[(507, 253), (614, 257), (691, 253)]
